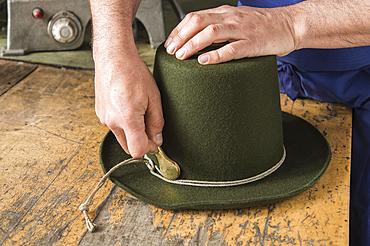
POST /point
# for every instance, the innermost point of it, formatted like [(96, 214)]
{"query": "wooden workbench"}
[(49, 162)]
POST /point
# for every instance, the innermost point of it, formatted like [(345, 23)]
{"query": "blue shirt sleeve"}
[(317, 59)]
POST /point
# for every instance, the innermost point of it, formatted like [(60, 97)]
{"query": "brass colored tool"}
[(168, 167)]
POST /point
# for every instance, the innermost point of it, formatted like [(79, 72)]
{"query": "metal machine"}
[(45, 25)]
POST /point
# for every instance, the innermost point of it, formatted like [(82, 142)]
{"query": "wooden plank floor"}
[(48, 164), (12, 73)]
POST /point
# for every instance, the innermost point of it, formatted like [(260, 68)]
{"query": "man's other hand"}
[(249, 31)]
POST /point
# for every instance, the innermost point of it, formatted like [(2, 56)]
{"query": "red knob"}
[(37, 13)]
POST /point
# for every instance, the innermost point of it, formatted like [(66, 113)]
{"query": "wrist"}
[(106, 53), (106, 46), (298, 25), (118, 70), (120, 58)]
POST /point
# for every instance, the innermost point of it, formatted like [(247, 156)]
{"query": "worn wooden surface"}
[(13, 72), (48, 164)]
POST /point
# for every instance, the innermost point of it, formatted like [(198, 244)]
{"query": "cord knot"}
[(83, 207)]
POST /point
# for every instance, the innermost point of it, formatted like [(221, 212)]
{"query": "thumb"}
[(154, 121)]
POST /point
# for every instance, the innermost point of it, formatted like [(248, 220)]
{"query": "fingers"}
[(194, 17), (137, 139), (175, 31), (191, 25), (132, 135), (213, 33), (191, 16), (200, 29), (154, 120), (231, 51)]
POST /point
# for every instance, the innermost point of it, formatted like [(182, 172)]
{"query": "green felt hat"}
[(225, 130)]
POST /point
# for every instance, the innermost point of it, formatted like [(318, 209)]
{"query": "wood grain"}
[(45, 122), (13, 72), (48, 165)]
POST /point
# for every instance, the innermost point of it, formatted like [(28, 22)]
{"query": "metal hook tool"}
[(168, 168)]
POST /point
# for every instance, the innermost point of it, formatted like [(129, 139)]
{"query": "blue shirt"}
[(317, 59)]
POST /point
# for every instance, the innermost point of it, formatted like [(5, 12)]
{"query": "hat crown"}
[(222, 122)]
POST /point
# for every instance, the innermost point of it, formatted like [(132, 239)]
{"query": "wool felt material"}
[(223, 122), (219, 114)]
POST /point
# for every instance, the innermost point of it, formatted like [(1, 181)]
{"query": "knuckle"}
[(232, 51), (133, 125), (180, 37), (235, 28), (196, 19), (235, 18), (191, 44), (238, 16), (157, 123), (224, 7), (129, 112), (213, 29), (173, 33), (129, 120), (189, 15), (134, 107), (217, 56)]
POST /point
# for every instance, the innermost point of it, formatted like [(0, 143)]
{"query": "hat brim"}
[(308, 155)]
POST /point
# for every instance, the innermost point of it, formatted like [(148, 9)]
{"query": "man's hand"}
[(250, 31), (271, 31), (128, 102), (127, 99)]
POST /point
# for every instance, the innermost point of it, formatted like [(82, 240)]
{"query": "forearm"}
[(127, 99), (112, 29), (331, 23)]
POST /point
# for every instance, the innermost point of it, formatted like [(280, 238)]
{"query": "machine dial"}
[(64, 27), (64, 30)]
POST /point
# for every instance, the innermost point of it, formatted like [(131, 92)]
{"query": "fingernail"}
[(168, 41), (159, 139), (180, 53), (171, 48), (203, 59)]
